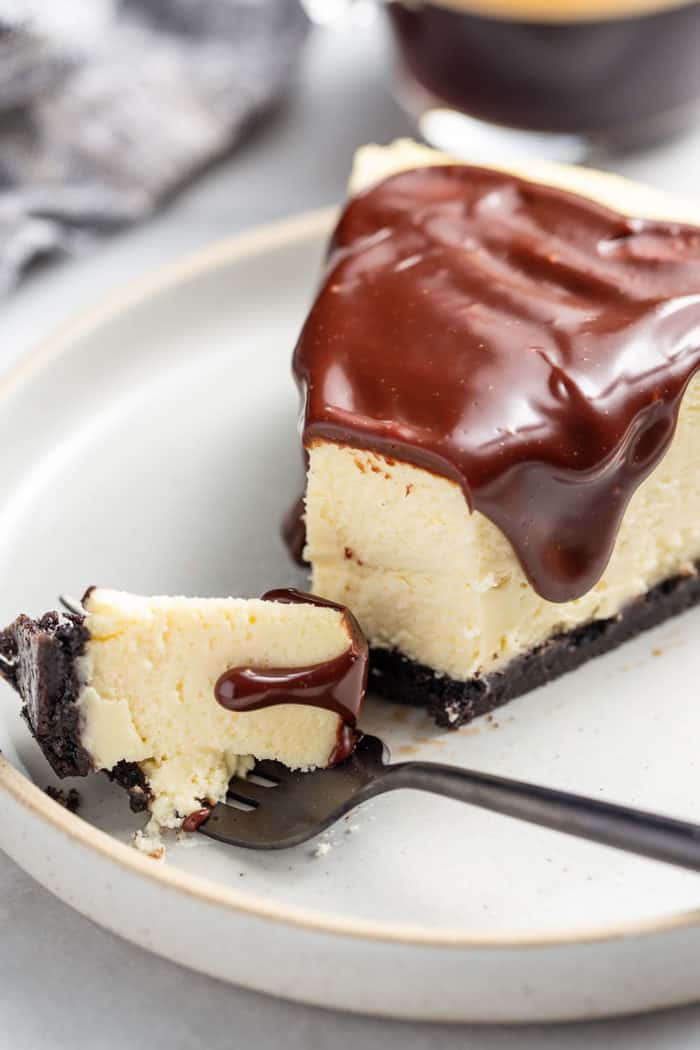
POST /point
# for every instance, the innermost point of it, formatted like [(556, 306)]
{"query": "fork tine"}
[(302, 805), (272, 770), (72, 604), (256, 829), (239, 796), (275, 771), (255, 777), (249, 791)]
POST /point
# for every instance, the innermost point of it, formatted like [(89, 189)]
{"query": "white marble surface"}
[(63, 981)]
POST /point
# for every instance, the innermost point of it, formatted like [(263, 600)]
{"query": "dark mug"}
[(624, 73)]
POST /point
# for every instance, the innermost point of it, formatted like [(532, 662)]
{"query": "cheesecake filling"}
[(149, 696), (442, 585)]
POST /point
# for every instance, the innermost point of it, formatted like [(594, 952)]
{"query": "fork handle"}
[(647, 834)]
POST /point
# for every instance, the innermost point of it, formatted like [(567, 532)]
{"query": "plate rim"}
[(187, 268)]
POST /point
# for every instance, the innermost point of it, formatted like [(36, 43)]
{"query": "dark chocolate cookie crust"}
[(40, 663), (453, 703), (39, 660)]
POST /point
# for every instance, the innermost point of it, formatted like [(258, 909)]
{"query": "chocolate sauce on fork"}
[(335, 685), (524, 342)]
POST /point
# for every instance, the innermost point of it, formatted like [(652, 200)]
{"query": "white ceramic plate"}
[(152, 446)]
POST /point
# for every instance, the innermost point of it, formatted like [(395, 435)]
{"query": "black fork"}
[(278, 808)]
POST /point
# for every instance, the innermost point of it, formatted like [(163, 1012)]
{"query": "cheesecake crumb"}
[(452, 714), (322, 849), (352, 829), (657, 652), (187, 840), (149, 841)]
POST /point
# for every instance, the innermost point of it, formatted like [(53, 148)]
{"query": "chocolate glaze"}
[(334, 685), (524, 342)]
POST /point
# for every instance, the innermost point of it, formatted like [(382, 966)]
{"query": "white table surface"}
[(63, 981)]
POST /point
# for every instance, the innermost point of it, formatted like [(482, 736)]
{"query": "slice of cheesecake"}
[(502, 421), (174, 696)]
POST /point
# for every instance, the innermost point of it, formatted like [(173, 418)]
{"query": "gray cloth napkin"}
[(107, 106)]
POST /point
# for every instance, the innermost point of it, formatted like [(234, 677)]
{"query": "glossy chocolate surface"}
[(629, 78), (335, 685), (522, 341), (294, 531)]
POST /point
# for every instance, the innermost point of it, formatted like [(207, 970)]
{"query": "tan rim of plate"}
[(307, 226)]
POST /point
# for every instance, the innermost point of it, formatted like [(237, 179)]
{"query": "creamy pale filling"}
[(423, 575), (150, 669)]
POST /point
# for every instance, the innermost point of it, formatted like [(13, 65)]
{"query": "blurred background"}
[(219, 113)]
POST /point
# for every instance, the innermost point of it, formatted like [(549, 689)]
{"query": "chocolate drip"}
[(335, 685), (347, 739), (195, 820), (294, 531), (522, 341)]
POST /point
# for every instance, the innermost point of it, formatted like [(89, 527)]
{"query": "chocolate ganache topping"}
[(335, 685), (520, 340)]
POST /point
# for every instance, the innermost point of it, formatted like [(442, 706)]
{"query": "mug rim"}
[(553, 11)]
